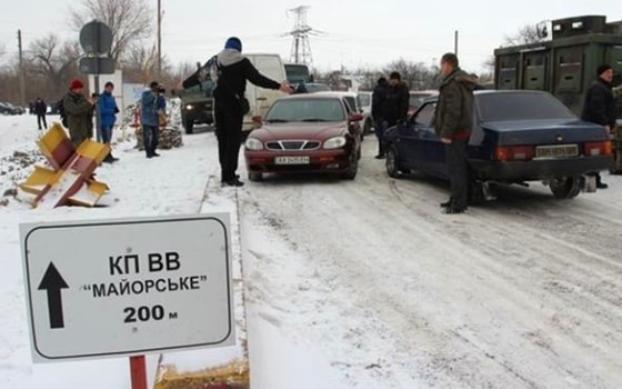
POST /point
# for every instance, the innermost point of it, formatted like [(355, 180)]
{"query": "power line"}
[(301, 46)]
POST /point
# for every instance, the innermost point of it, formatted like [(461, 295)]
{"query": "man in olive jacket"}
[(78, 110), (453, 123)]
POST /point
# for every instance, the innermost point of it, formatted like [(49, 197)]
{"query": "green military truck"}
[(197, 106), (566, 64)]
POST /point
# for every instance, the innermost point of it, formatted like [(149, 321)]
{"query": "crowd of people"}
[(453, 119), (81, 114)]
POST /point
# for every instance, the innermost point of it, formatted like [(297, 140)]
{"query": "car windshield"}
[(206, 87), (521, 106), (306, 110), (297, 73), (352, 102)]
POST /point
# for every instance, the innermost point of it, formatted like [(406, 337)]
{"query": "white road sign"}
[(128, 287)]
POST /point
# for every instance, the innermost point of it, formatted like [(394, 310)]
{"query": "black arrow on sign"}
[(53, 282)]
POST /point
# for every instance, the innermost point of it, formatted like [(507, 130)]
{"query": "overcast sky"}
[(356, 33)]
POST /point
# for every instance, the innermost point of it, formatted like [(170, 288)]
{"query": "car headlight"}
[(189, 107), (335, 143), (253, 144)]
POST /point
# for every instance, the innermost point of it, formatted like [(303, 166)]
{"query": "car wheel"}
[(566, 187), (392, 163), (189, 126), (255, 176), (353, 169)]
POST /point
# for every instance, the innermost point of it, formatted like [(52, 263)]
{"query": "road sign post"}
[(128, 287), (138, 372), (96, 40)]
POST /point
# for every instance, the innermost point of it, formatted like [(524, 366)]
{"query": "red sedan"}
[(314, 133)]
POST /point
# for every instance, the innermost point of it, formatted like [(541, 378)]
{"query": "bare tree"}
[(417, 75), (139, 63), (530, 33), (129, 20), (54, 60)]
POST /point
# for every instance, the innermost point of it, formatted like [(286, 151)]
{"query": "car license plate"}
[(299, 160), (557, 151)]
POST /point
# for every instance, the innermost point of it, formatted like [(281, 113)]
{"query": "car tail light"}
[(595, 149), (514, 153)]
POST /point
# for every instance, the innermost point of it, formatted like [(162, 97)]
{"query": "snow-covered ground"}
[(525, 292), (365, 284)]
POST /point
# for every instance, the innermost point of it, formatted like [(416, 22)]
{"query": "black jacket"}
[(232, 81), (40, 107), (378, 98), (395, 107), (600, 105)]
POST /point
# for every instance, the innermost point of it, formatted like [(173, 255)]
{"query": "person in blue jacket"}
[(152, 105), (108, 111)]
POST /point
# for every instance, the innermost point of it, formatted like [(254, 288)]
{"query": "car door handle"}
[(262, 98)]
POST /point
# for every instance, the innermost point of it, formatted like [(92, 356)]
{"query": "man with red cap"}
[(78, 111)]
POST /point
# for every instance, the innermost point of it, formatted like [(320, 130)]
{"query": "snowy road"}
[(364, 284), (525, 292)]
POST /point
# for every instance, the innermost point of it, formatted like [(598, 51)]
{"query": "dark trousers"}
[(107, 134), (41, 119), (380, 128), (151, 137), (229, 134), (458, 173)]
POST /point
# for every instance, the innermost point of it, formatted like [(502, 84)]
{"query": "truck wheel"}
[(255, 176), (566, 188), (392, 163), (189, 126)]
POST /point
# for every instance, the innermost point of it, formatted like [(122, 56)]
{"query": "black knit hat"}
[(603, 68)]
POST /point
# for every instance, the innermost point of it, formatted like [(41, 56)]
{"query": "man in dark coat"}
[(600, 108), (234, 70), (395, 107), (78, 111), (152, 106), (41, 109), (453, 122), (378, 99)]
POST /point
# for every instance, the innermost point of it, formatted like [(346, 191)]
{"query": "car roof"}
[(338, 94), (429, 91), (311, 96), (498, 92)]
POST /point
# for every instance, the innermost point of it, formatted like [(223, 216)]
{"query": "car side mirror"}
[(356, 117)]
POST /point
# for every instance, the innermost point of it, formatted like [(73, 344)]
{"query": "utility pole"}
[(456, 41), (22, 78), (301, 46), (159, 40)]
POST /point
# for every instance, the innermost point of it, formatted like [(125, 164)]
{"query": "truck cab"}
[(197, 105)]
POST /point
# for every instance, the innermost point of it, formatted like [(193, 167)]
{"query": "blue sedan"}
[(518, 136)]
